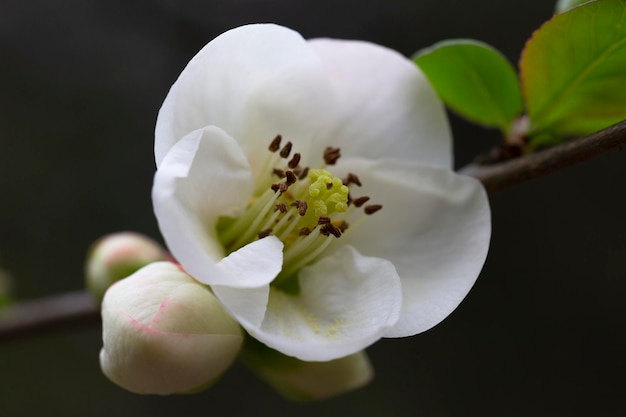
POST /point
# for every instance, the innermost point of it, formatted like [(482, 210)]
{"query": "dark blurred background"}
[(541, 333)]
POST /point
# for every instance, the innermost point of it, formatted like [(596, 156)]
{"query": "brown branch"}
[(66, 310), (506, 174), (49, 313)]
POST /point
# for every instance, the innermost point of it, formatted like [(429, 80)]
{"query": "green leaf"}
[(474, 80), (573, 70)]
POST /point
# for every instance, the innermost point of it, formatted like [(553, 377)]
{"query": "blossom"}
[(165, 333), (116, 256), (309, 184)]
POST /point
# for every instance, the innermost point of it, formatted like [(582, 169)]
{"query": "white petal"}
[(206, 175), (434, 226), (386, 107), (254, 82), (346, 302)]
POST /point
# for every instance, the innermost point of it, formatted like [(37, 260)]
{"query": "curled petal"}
[(204, 176), (346, 302), (434, 227), (385, 105)]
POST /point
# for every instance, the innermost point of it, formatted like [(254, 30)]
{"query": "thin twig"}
[(48, 313), (66, 310), (506, 174)]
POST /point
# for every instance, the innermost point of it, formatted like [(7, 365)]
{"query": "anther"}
[(330, 229), (264, 233), (323, 220), (305, 231), (372, 209), (279, 173), (286, 150), (343, 226), (282, 187), (282, 207), (331, 155), (295, 160), (275, 145), (358, 202), (304, 173), (291, 177), (301, 206), (352, 179), (329, 185)]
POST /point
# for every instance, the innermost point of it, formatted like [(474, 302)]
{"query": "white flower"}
[(218, 191), (164, 333)]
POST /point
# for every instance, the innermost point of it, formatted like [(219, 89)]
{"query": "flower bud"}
[(164, 333), (116, 256), (306, 381)]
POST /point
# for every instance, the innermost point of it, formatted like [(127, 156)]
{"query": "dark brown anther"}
[(358, 202), (302, 208), (282, 187), (304, 173), (275, 145), (372, 209), (291, 177), (264, 233), (282, 207), (329, 185), (330, 229), (304, 231), (343, 226), (323, 220), (279, 173), (286, 150), (295, 160), (352, 179), (331, 155)]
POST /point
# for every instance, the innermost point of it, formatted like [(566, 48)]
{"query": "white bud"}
[(306, 381), (164, 333), (116, 256)]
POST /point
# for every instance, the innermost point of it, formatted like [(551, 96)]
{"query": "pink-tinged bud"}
[(116, 256), (307, 381), (164, 333)]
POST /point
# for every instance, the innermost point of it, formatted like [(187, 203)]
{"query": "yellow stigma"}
[(326, 195)]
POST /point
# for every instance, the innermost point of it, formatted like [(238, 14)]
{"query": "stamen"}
[(278, 172), (264, 233), (372, 209), (323, 220), (304, 173), (358, 202), (295, 160), (352, 179), (282, 207), (301, 206), (286, 150), (275, 145), (330, 229), (305, 231), (281, 186), (331, 155), (291, 177), (343, 226)]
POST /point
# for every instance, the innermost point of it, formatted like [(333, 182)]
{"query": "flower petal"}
[(346, 302), (434, 227), (385, 105), (206, 175), (254, 82)]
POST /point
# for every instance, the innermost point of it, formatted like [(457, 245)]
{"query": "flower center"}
[(305, 208)]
